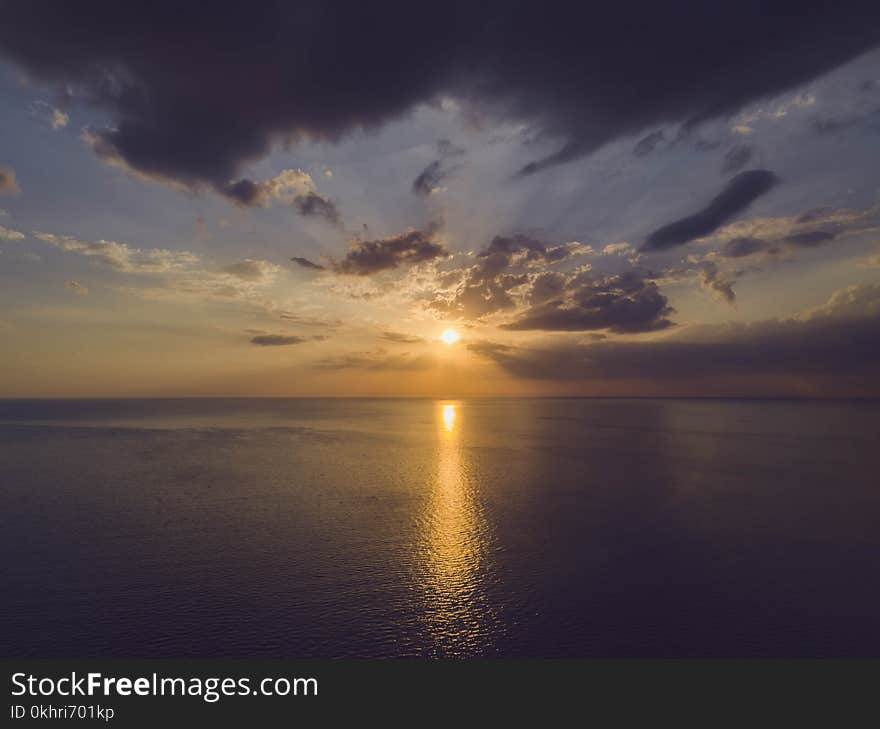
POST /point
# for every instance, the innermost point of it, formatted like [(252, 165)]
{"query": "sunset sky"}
[(299, 199)]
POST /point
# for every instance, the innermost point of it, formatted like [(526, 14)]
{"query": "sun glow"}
[(450, 336)]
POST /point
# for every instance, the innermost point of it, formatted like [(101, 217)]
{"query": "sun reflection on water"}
[(449, 417), (454, 548)]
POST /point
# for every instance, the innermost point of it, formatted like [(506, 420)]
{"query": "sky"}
[(298, 199)]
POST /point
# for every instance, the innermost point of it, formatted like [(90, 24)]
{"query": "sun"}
[(450, 336)]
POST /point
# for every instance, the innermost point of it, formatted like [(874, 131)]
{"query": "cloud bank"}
[(194, 97), (838, 340)]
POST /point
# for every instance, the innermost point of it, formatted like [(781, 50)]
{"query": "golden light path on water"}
[(449, 417), (455, 544)]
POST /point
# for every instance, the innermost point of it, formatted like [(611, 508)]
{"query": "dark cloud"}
[(810, 238), (314, 205), (736, 158), (194, 96), (485, 287), (366, 257), (276, 340), (737, 195), (771, 241), (780, 237), (814, 215), (742, 247), (292, 186), (533, 251), (549, 285), (244, 192), (480, 294), (306, 263), (399, 338), (430, 178), (8, 185), (648, 144), (625, 303), (841, 339), (720, 283)]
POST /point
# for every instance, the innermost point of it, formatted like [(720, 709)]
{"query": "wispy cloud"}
[(400, 338), (252, 270), (9, 234), (377, 360), (49, 114), (276, 340), (122, 256)]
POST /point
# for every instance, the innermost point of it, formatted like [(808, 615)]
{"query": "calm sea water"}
[(379, 528)]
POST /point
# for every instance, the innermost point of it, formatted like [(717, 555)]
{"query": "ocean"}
[(329, 528)]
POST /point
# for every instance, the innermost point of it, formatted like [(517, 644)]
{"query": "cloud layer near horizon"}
[(838, 340)]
